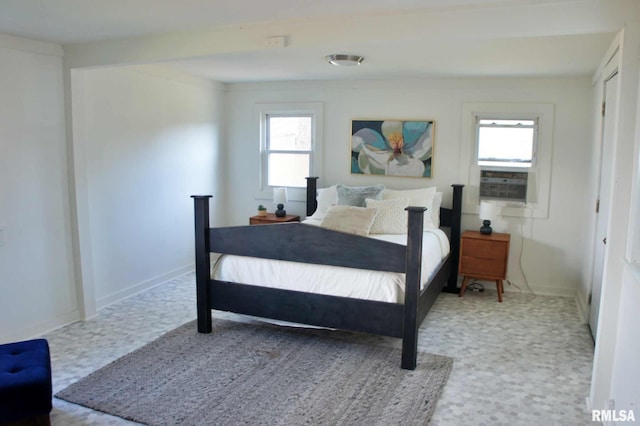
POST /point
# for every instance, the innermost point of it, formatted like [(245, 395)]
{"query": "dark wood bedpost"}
[(312, 188), (456, 224), (203, 261), (412, 287)]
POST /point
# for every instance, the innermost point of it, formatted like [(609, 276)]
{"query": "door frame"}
[(604, 183)]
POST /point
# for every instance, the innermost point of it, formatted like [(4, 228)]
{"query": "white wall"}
[(616, 374), (37, 291), (625, 382), (144, 139), (550, 259), (150, 139)]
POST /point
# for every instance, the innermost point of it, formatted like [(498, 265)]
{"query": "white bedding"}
[(333, 280)]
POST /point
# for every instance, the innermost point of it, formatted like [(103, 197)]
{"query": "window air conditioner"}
[(499, 185)]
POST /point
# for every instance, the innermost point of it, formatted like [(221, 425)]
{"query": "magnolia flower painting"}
[(392, 147)]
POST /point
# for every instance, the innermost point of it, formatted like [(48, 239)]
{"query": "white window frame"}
[(268, 150), (507, 116), (312, 109), (539, 180)]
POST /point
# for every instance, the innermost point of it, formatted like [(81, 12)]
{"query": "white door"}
[(604, 197)]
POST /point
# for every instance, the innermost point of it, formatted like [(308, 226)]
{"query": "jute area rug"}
[(264, 375)]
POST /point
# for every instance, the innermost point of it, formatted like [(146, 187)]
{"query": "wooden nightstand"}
[(484, 257), (272, 218)]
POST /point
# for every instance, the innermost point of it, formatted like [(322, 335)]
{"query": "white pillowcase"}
[(425, 197), (351, 219), (391, 217), (326, 198), (421, 197), (435, 210)]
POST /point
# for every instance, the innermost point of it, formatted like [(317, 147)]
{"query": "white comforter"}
[(333, 280)]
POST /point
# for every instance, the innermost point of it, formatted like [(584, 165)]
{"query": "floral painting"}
[(392, 147)]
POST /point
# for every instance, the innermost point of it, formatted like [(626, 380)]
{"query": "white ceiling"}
[(399, 38)]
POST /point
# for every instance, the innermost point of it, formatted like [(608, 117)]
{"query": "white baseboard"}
[(41, 328), (536, 289), (587, 402), (541, 290), (583, 308), (50, 324), (143, 286)]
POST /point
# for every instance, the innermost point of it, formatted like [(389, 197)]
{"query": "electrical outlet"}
[(276, 42)]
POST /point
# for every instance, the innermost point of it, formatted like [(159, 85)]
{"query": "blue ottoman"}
[(25, 383)]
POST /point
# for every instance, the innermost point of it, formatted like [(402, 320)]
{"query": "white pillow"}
[(421, 197), (435, 210), (391, 217), (326, 198), (351, 219)]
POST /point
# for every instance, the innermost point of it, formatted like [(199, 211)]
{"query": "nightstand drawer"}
[(485, 249), (487, 268)]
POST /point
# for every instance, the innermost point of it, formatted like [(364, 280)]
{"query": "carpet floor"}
[(262, 374)]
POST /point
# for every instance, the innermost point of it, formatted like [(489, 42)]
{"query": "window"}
[(534, 120), (506, 143), (288, 149)]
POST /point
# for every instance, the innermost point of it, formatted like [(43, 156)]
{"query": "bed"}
[(317, 246)]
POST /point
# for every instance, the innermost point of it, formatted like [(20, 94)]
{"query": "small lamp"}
[(279, 198), (488, 212)]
